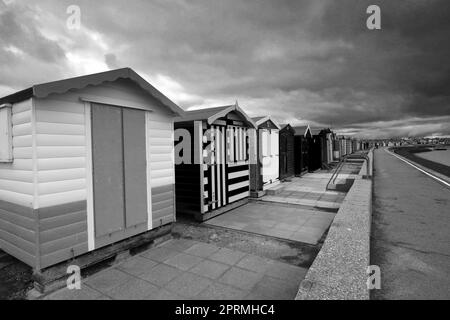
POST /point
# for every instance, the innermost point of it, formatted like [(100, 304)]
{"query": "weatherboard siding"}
[(60, 152), (63, 232), (16, 177), (17, 219), (160, 136), (17, 231)]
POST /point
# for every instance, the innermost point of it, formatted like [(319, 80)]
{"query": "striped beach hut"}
[(215, 147), (265, 173), (86, 162)]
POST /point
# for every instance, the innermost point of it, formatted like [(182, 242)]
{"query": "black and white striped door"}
[(215, 168), (226, 172), (238, 179)]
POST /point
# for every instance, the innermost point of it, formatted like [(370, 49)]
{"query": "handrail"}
[(337, 170), (341, 163)]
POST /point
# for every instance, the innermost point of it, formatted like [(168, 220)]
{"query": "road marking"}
[(412, 165)]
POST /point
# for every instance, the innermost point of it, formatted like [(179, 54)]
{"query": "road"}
[(410, 232)]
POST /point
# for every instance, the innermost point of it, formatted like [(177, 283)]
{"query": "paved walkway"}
[(186, 269), (301, 210), (410, 232), (309, 190), (277, 220)]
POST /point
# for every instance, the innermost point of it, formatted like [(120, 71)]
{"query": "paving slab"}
[(183, 261), (227, 256), (161, 254), (108, 279), (137, 265), (85, 293), (275, 288), (161, 274), (219, 291), (210, 269), (254, 263), (188, 284), (240, 278), (134, 289), (201, 250)]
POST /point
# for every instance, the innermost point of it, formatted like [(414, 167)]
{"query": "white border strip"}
[(149, 172), (421, 170), (89, 178)]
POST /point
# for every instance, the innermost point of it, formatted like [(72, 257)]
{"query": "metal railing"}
[(342, 162), (337, 170)]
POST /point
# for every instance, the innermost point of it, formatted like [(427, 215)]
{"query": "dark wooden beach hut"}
[(315, 150), (302, 141), (286, 154), (213, 151)]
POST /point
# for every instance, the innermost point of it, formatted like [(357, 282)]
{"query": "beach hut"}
[(316, 150), (302, 140), (332, 139), (265, 173), (348, 146), (286, 154), (87, 162), (214, 176), (326, 145), (336, 149), (342, 146)]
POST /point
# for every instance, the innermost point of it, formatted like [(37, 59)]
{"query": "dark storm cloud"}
[(25, 54), (23, 36), (301, 60)]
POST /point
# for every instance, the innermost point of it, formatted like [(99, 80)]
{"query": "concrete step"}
[(275, 190), (341, 187)]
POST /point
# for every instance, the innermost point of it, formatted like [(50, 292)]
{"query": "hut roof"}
[(260, 120), (302, 130), (212, 114), (62, 86)]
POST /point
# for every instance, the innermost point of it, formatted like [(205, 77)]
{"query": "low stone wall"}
[(339, 270)]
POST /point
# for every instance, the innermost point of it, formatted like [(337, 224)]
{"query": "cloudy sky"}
[(309, 61)]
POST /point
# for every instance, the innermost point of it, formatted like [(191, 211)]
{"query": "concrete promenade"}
[(410, 232), (339, 270)]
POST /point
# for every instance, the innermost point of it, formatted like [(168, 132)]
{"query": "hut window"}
[(6, 154)]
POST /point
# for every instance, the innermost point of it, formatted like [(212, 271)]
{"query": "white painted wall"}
[(160, 137), (60, 151), (16, 178)]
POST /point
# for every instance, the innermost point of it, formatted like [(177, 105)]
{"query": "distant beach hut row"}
[(92, 161)]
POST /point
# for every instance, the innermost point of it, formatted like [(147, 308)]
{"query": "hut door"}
[(237, 167), (283, 155), (268, 140), (304, 154), (215, 173), (265, 154), (226, 174), (119, 173)]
